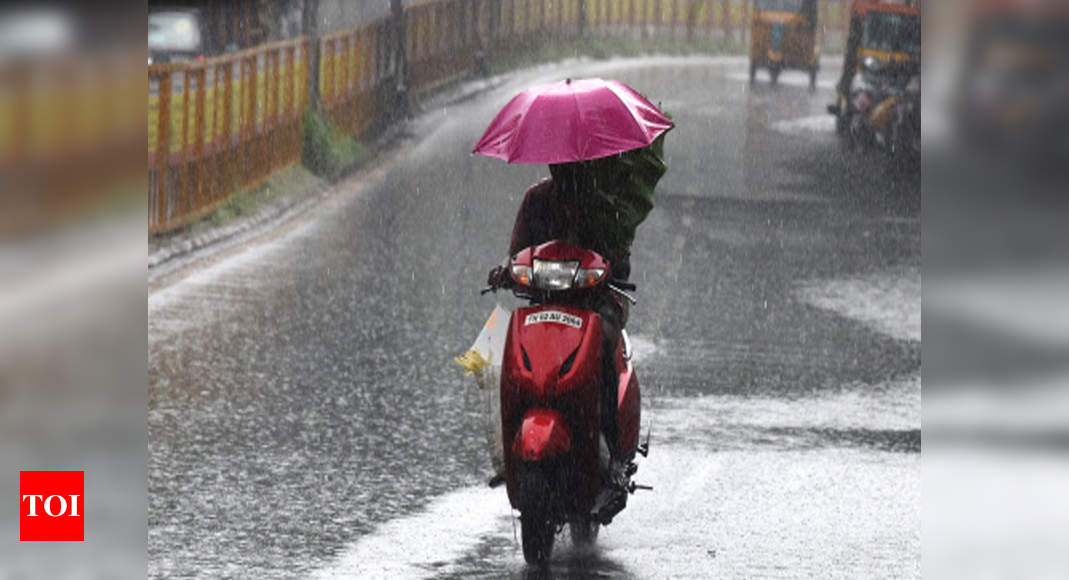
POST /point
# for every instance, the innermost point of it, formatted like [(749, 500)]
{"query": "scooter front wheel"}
[(537, 533)]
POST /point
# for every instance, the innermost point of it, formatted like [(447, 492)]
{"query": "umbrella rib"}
[(634, 114), (520, 118), (581, 150)]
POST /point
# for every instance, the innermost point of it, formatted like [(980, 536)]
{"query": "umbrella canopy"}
[(572, 120)]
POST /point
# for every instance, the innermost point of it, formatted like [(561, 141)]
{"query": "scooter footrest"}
[(609, 503)]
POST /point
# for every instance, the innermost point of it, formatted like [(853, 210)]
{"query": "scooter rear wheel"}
[(537, 533), (584, 532)]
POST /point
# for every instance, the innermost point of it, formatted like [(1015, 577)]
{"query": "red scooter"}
[(556, 462)]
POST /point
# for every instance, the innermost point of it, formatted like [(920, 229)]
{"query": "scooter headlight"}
[(549, 275)]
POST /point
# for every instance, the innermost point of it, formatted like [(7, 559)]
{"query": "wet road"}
[(306, 418)]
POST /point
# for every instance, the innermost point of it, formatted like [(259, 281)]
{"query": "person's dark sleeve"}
[(621, 267), (521, 230), (522, 234)]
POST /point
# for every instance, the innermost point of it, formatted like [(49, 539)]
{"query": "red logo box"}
[(51, 506)]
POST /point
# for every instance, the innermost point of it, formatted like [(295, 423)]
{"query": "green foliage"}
[(288, 183), (325, 151), (236, 206)]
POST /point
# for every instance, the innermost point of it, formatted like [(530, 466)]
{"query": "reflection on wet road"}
[(306, 418)]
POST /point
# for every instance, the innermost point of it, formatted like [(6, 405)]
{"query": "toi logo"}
[(51, 506)]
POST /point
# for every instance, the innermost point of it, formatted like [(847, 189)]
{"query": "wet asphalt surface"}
[(306, 418)]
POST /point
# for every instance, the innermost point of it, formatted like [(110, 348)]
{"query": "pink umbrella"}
[(572, 121)]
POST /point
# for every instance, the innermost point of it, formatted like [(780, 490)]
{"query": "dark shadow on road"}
[(502, 557), (576, 564), (894, 440)]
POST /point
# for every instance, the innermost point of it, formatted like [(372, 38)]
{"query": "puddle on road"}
[(743, 487), (789, 78), (736, 514), (413, 546), (883, 417), (814, 126), (889, 302)]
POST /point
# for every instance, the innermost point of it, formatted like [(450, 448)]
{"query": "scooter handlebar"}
[(615, 287)]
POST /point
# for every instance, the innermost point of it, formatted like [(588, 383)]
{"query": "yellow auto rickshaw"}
[(883, 38), (783, 35)]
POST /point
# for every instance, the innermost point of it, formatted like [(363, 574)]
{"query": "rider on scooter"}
[(597, 205)]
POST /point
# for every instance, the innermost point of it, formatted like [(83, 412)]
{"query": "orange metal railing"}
[(442, 40), (221, 125), (356, 70), (66, 135)]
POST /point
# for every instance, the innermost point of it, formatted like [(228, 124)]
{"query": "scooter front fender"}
[(543, 434)]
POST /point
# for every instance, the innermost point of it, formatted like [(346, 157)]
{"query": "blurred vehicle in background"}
[(883, 109), (35, 31), (904, 136), (879, 91), (177, 35), (784, 36), (1014, 95)]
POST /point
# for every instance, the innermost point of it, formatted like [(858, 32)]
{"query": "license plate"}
[(553, 316)]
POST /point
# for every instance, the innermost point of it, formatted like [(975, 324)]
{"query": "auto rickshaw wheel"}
[(859, 136)]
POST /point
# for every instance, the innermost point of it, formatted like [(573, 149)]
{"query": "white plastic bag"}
[(483, 362)]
